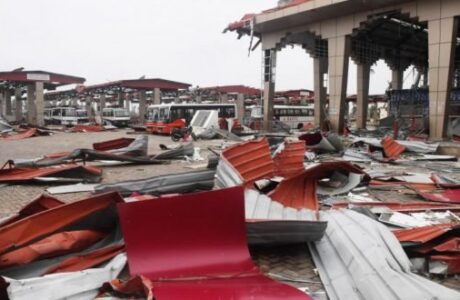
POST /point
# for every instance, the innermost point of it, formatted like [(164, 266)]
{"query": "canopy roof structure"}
[(232, 89), (51, 80), (138, 84)]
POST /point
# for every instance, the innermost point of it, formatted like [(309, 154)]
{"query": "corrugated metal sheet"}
[(113, 144), (359, 258), (87, 260), (54, 245), (289, 159), (69, 172), (398, 206), (73, 285), (251, 160), (197, 262), (423, 234), (39, 225), (411, 146), (300, 191), (164, 184), (21, 135), (391, 148), (39, 204), (447, 196)]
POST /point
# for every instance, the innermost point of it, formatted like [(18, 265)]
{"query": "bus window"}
[(229, 112), (311, 112), (68, 113), (290, 112), (121, 113), (163, 116), (56, 112), (305, 112)]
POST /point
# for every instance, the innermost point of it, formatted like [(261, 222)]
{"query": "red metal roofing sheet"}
[(299, 191), (451, 245), (42, 224), (452, 262), (400, 206), (21, 135), (391, 148), (290, 161), (447, 196), (87, 128), (26, 174), (422, 234), (39, 204), (54, 245), (252, 160), (196, 246), (88, 260), (113, 144)]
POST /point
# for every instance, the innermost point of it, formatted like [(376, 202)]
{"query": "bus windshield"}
[(159, 114)]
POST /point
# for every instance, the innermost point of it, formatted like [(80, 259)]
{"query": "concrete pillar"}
[(320, 69), (397, 79), (142, 106), (88, 106), (240, 108), (223, 98), (8, 106), (339, 53), (198, 99), (362, 100), (2, 102), (121, 99), (101, 102), (74, 102), (39, 104), (156, 96), (31, 115), (176, 97), (269, 87), (18, 111), (441, 52)]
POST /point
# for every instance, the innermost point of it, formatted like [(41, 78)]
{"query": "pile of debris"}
[(376, 224)]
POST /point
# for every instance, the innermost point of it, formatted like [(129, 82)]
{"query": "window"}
[(121, 113), (56, 112)]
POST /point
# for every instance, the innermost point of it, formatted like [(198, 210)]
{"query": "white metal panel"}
[(71, 285)]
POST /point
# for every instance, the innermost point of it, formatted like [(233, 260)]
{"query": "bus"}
[(294, 116), (118, 117), (163, 118), (66, 116), (82, 116)]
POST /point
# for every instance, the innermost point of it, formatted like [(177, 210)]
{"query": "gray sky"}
[(104, 40)]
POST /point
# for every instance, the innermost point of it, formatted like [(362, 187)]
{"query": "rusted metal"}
[(252, 160), (185, 254)]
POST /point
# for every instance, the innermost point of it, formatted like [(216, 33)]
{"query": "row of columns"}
[(442, 36)]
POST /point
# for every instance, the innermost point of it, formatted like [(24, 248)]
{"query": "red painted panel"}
[(251, 159), (195, 246)]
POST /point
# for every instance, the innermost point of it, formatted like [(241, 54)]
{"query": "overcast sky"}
[(104, 40)]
